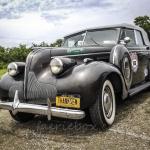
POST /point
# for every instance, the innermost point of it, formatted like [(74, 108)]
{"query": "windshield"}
[(94, 37)]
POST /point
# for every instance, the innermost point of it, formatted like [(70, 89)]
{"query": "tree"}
[(57, 43), (2, 57), (143, 22), (42, 44), (18, 53), (8, 55)]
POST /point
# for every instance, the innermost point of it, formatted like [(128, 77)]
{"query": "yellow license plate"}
[(68, 101)]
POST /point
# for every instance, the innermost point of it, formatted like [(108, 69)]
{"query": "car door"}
[(139, 55)]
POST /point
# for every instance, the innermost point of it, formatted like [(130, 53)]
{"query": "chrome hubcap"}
[(108, 102)]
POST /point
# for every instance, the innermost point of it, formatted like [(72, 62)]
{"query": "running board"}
[(139, 88)]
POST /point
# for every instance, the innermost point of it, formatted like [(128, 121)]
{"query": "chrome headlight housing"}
[(56, 66), (12, 69)]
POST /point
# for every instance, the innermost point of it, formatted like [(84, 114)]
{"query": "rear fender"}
[(117, 55)]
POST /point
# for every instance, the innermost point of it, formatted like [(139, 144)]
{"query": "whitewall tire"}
[(104, 109)]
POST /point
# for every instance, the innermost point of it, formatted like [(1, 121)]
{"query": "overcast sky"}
[(34, 21)]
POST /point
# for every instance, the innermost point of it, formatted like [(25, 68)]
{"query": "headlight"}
[(12, 69), (56, 65)]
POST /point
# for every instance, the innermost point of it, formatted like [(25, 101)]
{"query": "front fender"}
[(85, 80), (8, 86)]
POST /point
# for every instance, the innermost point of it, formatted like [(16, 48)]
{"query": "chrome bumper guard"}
[(49, 111)]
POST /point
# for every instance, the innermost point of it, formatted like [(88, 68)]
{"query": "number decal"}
[(134, 61)]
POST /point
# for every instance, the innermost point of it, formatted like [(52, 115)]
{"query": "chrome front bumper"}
[(49, 111)]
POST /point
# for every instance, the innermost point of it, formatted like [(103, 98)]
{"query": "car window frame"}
[(141, 38), (123, 29)]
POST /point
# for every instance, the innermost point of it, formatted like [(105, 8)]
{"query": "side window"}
[(131, 35), (128, 33), (138, 37)]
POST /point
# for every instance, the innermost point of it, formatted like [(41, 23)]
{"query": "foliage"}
[(57, 43), (42, 44), (143, 22), (8, 55), (2, 71)]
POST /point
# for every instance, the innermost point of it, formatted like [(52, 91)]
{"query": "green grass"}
[(2, 71)]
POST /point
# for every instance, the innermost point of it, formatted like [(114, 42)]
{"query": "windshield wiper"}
[(84, 34)]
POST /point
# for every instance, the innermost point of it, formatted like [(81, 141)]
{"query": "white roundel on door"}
[(134, 61)]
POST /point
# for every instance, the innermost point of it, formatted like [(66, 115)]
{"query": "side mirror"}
[(127, 40)]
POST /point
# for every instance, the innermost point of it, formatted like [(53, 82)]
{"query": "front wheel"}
[(104, 109), (21, 117)]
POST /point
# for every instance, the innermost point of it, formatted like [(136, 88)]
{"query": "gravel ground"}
[(131, 130)]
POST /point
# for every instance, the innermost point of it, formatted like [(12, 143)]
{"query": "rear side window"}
[(138, 37), (128, 33), (131, 35)]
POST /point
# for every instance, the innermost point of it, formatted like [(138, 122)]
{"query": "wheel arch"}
[(114, 74), (116, 81)]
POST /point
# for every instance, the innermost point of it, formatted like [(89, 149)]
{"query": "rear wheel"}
[(104, 109), (21, 117)]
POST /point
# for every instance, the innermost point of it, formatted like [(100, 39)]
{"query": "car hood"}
[(43, 55)]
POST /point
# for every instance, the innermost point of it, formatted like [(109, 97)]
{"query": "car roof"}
[(123, 25)]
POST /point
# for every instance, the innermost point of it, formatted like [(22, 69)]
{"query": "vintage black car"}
[(92, 70)]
